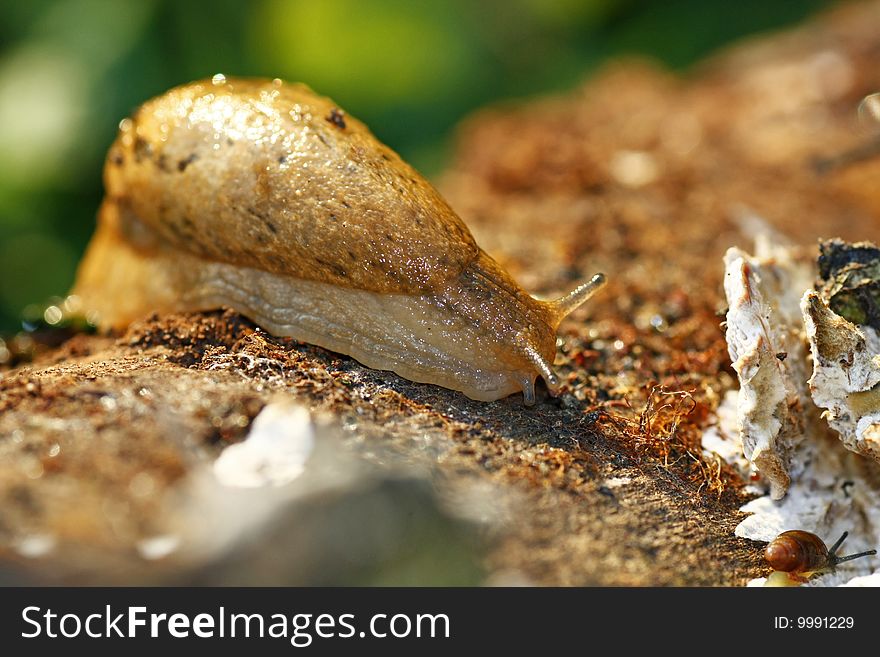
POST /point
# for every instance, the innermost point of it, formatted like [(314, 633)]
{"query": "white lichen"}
[(765, 341), (846, 375), (724, 436)]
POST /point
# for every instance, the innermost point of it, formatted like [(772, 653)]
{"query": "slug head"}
[(513, 335), (542, 359)]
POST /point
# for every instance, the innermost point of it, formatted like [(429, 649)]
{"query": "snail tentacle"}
[(833, 559), (834, 548)]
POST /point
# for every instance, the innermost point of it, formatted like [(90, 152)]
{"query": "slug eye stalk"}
[(565, 305)]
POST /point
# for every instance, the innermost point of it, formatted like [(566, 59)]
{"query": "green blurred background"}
[(411, 69)]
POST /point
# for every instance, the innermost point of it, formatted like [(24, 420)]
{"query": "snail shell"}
[(796, 551), (262, 196)]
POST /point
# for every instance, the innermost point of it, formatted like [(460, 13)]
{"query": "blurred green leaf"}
[(33, 267), (372, 54)]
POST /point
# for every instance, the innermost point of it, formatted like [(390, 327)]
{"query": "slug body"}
[(262, 196), (802, 554)]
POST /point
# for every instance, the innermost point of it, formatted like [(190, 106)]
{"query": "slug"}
[(262, 196), (802, 554)]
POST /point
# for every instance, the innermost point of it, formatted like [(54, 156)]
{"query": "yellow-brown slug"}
[(262, 196)]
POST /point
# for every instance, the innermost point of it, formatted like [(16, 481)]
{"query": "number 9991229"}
[(825, 622)]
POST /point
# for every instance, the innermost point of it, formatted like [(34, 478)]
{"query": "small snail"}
[(267, 198), (802, 554)]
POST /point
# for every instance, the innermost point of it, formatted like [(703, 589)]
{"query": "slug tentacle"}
[(528, 390), (253, 194), (544, 368), (577, 297)]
